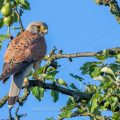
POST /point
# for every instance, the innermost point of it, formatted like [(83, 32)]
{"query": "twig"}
[(19, 18), (19, 116)]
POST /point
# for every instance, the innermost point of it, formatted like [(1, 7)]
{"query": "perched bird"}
[(23, 53)]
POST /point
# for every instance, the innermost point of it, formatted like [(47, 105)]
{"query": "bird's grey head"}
[(38, 28)]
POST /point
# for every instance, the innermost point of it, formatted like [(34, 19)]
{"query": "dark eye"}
[(38, 27)]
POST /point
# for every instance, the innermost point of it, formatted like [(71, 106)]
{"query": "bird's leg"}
[(10, 115)]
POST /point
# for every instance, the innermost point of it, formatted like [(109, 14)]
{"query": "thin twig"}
[(19, 18)]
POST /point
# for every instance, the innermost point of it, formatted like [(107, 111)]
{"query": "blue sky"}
[(74, 26)]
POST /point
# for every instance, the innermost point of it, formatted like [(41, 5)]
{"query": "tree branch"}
[(77, 95), (53, 56)]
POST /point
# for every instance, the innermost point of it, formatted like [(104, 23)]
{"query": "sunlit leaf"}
[(93, 103), (62, 82), (2, 37), (38, 92), (25, 4), (65, 114), (55, 95)]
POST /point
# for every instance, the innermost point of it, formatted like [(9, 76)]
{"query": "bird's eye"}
[(38, 27)]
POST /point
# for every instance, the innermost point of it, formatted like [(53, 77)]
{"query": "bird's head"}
[(38, 28)]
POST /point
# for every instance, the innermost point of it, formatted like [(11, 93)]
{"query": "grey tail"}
[(16, 85), (15, 88)]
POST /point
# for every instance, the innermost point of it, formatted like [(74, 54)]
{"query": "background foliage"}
[(102, 96)]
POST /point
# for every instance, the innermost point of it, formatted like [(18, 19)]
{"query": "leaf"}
[(2, 37), (70, 101), (1, 3), (116, 116), (109, 71), (25, 4), (39, 71), (89, 67), (76, 77), (93, 102), (55, 95), (72, 85), (103, 55), (38, 92), (62, 82), (96, 72), (114, 101), (50, 118), (65, 114), (1, 22), (118, 58), (15, 17), (52, 73)]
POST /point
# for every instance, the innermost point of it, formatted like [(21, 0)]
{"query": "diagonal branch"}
[(77, 95)]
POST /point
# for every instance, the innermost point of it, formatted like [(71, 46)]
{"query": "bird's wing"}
[(22, 51)]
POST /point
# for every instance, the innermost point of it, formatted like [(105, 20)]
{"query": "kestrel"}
[(23, 53)]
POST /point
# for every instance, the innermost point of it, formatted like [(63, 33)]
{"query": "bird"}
[(24, 53)]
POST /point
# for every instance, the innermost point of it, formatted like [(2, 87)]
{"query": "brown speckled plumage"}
[(23, 53), (27, 47)]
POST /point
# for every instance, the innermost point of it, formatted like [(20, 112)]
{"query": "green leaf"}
[(2, 37), (62, 82), (25, 4), (72, 85), (15, 17), (105, 53), (50, 118), (1, 22), (65, 114), (118, 58), (76, 77), (93, 102), (55, 95), (116, 116), (39, 71), (38, 92), (114, 101), (96, 72), (70, 101), (52, 73), (89, 67), (1, 3)]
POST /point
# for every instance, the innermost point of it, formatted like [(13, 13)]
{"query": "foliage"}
[(105, 94)]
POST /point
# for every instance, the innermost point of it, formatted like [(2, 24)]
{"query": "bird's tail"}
[(15, 88), (16, 85)]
